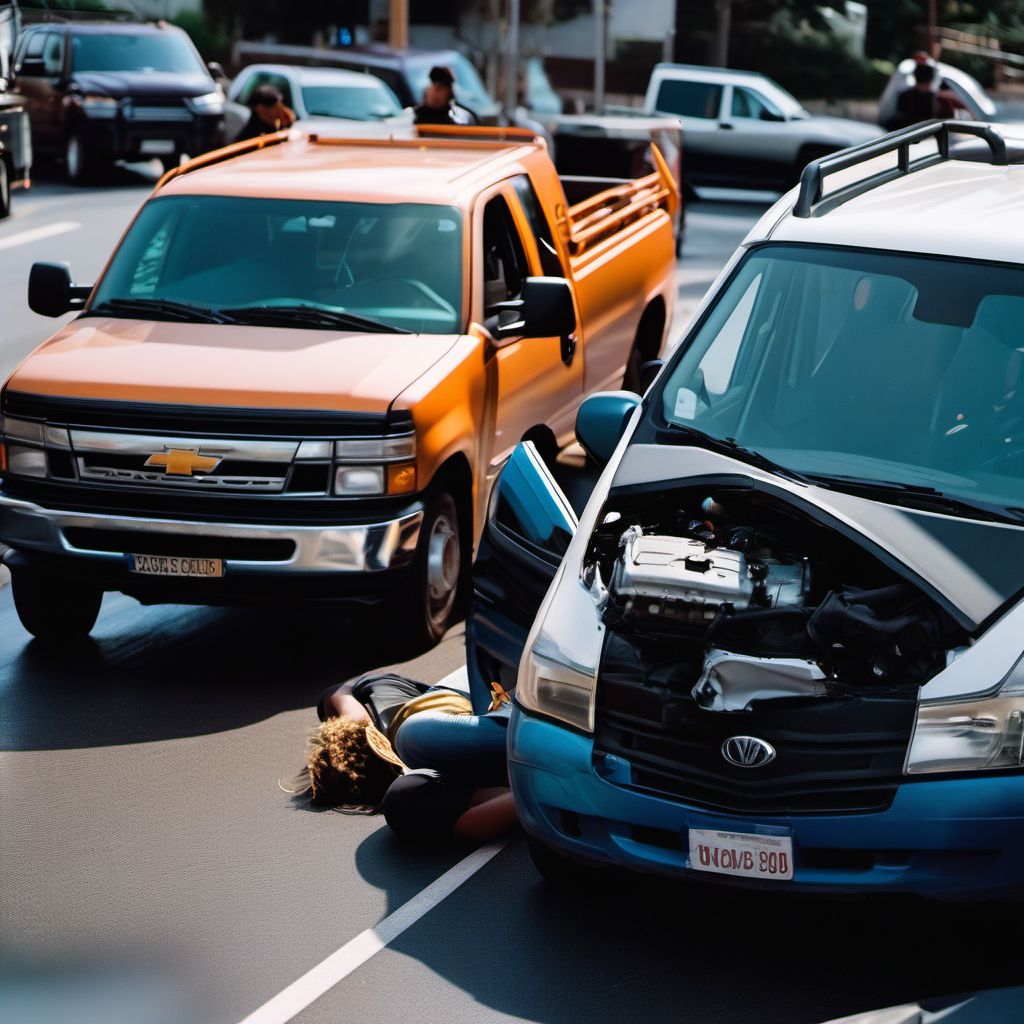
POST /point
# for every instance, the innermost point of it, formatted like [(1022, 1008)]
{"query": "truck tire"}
[(5, 189), (79, 160), (55, 610), (439, 572)]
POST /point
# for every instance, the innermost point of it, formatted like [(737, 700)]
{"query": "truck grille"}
[(833, 755), (125, 449), (157, 110)]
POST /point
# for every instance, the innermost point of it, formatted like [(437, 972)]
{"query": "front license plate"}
[(156, 147), (741, 853), (167, 565)]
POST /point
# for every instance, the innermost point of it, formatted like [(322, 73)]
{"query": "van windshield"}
[(864, 366), (400, 263)]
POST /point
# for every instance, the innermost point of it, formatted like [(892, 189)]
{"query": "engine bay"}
[(741, 596)]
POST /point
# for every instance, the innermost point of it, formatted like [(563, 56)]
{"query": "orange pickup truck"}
[(306, 362)]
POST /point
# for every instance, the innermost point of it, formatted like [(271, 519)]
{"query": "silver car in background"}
[(741, 129)]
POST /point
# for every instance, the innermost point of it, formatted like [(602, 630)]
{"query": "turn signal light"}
[(402, 478), (3, 458)]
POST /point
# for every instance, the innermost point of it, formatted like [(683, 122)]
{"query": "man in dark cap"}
[(269, 113), (439, 106)]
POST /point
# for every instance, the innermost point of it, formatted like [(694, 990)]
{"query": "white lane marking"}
[(342, 962), (61, 227)]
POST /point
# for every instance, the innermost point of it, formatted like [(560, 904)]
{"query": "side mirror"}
[(601, 422), (34, 67), (51, 291), (544, 309), (217, 70)]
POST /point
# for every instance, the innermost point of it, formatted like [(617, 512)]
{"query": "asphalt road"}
[(153, 871)]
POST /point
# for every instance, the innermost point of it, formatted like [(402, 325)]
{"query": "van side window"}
[(33, 47), (505, 263), (689, 99), (549, 259)]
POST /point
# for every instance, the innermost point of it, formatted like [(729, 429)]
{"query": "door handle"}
[(725, 127)]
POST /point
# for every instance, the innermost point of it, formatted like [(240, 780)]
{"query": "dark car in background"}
[(405, 72), (100, 92)]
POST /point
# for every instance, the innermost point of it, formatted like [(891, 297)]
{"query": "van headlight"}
[(99, 106), (971, 734), (552, 685)]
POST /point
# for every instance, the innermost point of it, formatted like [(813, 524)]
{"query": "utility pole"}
[(398, 24), (512, 60), (933, 31), (600, 52), (723, 15)]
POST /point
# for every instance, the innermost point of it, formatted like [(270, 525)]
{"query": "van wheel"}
[(5, 190), (440, 570), (55, 610)]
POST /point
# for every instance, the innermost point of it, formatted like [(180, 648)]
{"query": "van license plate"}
[(741, 853), (156, 147), (168, 565)]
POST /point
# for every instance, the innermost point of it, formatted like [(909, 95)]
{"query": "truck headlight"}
[(99, 106), (972, 734), (375, 465), (552, 685), (208, 103), (23, 452)]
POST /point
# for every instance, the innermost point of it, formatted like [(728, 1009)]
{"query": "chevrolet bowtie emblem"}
[(183, 461)]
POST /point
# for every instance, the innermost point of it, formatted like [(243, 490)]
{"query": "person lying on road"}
[(415, 752)]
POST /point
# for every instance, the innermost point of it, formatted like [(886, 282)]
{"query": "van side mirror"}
[(544, 309), (51, 291), (216, 69), (601, 422)]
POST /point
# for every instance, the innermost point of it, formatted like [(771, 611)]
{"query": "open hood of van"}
[(970, 567)]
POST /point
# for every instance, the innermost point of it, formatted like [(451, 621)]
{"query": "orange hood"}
[(228, 365)]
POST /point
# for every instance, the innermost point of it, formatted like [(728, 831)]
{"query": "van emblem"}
[(748, 752), (183, 461)]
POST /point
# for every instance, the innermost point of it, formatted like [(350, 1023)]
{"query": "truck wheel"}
[(55, 610), (79, 161), (439, 571), (5, 190)]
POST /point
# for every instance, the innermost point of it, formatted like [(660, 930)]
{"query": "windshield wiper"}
[(730, 446), (158, 309), (311, 316), (921, 496)]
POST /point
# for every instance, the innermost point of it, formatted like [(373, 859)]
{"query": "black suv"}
[(99, 92)]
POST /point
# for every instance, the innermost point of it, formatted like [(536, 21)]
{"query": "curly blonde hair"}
[(344, 770)]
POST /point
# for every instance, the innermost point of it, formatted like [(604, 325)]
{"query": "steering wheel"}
[(428, 293)]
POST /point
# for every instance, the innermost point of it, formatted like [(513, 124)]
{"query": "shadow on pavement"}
[(51, 173), (643, 949), (166, 672)]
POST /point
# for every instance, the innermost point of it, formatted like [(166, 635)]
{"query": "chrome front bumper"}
[(355, 548)]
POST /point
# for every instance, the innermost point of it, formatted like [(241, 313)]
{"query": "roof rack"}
[(440, 136), (811, 202), (217, 156)]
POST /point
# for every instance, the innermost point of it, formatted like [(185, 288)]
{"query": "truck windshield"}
[(127, 51), (857, 367), (400, 264)]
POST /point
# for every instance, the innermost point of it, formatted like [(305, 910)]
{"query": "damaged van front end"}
[(784, 646)]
